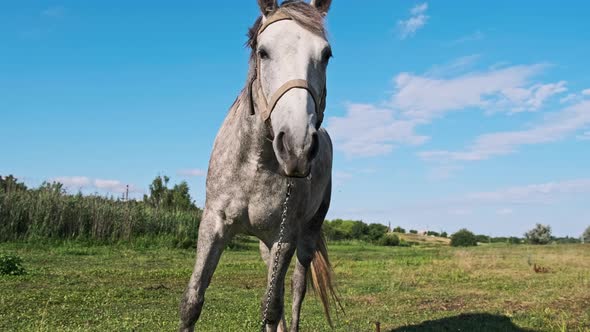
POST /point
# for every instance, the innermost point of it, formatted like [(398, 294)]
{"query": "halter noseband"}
[(267, 107)]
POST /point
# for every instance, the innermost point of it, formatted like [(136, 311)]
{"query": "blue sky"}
[(444, 114)]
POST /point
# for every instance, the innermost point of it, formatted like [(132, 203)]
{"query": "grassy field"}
[(488, 288)]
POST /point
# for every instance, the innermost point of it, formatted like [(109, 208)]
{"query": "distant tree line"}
[(50, 212), (539, 235), (338, 229)]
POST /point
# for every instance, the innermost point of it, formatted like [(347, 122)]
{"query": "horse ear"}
[(267, 6), (322, 5)]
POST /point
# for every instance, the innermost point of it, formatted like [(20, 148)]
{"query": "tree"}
[(482, 238), (181, 198), (162, 197), (444, 234), (10, 184), (398, 229), (586, 235), (463, 238), (158, 191), (359, 229), (541, 234), (376, 232)]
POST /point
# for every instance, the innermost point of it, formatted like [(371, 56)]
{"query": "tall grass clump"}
[(50, 213)]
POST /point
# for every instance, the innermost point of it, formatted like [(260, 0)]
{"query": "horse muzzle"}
[(296, 159)]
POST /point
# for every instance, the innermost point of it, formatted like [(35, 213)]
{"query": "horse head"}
[(291, 53)]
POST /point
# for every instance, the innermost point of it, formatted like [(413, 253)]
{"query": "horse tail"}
[(321, 278)]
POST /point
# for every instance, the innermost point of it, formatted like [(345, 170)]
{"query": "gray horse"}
[(270, 155)]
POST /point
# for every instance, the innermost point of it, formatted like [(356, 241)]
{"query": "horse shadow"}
[(466, 322)]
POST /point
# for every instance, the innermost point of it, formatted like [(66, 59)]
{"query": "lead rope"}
[(275, 265)]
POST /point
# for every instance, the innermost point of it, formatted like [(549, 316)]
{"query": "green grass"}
[(70, 287)]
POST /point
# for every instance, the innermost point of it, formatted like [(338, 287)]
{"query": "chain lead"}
[(275, 265)]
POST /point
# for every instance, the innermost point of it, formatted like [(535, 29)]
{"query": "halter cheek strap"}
[(266, 107)]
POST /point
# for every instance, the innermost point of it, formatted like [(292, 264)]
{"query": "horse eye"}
[(326, 55), (262, 53)]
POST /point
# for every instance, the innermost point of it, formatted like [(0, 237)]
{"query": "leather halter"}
[(267, 107)]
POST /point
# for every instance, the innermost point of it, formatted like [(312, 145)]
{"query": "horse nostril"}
[(314, 147), (281, 143)]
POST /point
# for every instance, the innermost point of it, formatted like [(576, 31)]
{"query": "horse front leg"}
[(265, 254), (213, 236), (305, 251), (275, 312)]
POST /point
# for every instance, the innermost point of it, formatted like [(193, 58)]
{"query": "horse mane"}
[(303, 14)]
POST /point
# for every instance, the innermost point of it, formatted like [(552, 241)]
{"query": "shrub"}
[(444, 234), (463, 238), (390, 240), (376, 232), (11, 265), (586, 235), (398, 229), (483, 238), (413, 231), (541, 234), (514, 240)]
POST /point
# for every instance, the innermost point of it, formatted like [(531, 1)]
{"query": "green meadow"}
[(74, 287)]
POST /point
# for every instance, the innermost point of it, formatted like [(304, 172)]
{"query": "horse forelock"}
[(301, 12)]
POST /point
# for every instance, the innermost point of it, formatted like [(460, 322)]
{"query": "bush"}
[(463, 238), (413, 231), (483, 238), (11, 265), (444, 234), (541, 234), (338, 230), (390, 240), (586, 235), (398, 229)]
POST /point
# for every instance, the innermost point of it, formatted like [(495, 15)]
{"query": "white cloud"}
[(554, 128), (477, 35), (367, 130), (373, 129), (586, 92), (572, 97), (73, 181), (535, 193), (83, 182), (419, 9), (191, 172), (110, 185), (407, 28), (505, 89), (529, 99), (456, 67)]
